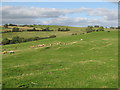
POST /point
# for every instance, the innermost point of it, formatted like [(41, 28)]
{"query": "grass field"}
[(26, 34), (74, 63)]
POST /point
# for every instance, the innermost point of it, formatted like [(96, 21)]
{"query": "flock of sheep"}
[(5, 52), (41, 45), (53, 44)]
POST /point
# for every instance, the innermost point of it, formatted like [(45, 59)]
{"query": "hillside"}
[(25, 34), (68, 61)]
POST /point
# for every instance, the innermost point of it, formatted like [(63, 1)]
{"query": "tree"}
[(30, 39), (67, 29), (31, 25), (52, 36), (96, 26), (89, 29), (12, 25), (15, 29), (62, 29), (6, 26), (101, 28), (16, 39), (112, 28), (47, 29), (34, 29), (118, 27), (36, 38), (90, 26), (59, 29), (5, 41)]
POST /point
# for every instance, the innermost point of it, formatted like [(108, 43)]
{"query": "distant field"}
[(40, 34), (74, 63), (26, 34), (53, 27)]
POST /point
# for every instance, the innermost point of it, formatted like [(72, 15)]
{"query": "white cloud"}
[(79, 21), (33, 12), (106, 13), (31, 15)]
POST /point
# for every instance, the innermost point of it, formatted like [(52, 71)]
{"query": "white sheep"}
[(11, 51)]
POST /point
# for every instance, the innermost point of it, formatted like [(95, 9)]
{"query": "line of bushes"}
[(45, 29), (18, 39), (62, 29), (16, 29), (91, 29)]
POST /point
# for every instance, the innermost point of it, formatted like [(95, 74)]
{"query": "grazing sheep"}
[(59, 43), (12, 52), (64, 43), (41, 45), (5, 52), (50, 44), (81, 39), (3, 49), (32, 46)]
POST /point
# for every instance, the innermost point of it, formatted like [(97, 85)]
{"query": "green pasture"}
[(69, 63)]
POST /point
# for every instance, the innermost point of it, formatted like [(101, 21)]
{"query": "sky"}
[(78, 14), (60, 0)]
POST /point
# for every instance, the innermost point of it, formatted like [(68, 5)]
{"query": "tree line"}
[(96, 26), (16, 29), (18, 39), (48, 29)]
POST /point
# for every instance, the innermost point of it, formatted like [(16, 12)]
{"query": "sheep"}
[(41, 45), (5, 52), (11, 52), (59, 43), (81, 39), (32, 46), (3, 49), (51, 44)]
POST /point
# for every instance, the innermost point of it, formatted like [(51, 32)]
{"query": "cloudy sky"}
[(60, 13)]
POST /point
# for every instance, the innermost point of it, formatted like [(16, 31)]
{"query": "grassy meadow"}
[(68, 63)]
